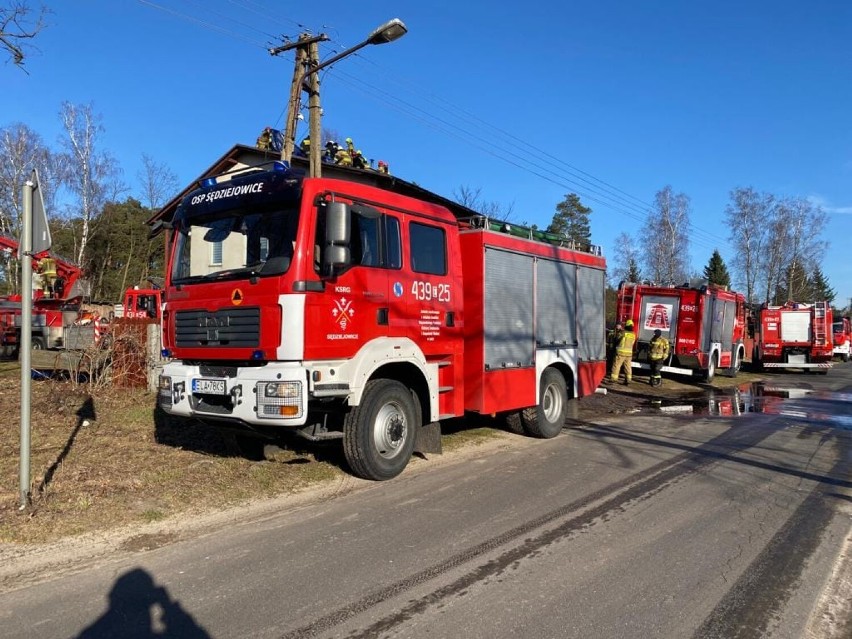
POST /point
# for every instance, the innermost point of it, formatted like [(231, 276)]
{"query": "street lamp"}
[(387, 32)]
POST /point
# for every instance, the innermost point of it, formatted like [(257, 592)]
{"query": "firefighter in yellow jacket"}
[(658, 351), (624, 354)]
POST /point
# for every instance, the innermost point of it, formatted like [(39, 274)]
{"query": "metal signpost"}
[(35, 238)]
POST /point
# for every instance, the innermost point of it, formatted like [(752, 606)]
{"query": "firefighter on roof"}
[(624, 354), (657, 354), (305, 145), (264, 140), (358, 161), (331, 150)]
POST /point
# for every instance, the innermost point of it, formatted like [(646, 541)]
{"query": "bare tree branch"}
[(17, 27), (159, 182)]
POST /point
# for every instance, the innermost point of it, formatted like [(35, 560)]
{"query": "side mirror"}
[(338, 229)]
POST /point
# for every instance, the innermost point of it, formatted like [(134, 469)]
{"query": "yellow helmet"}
[(628, 324)]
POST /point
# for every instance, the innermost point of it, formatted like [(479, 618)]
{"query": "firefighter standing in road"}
[(624, 354), (612, 340), (657, 354)]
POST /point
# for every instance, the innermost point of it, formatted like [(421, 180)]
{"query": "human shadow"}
[(138, 608)]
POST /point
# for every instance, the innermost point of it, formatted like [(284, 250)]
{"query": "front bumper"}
[(275, 394)]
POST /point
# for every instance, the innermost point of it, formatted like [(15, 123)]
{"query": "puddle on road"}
[(834, 409)]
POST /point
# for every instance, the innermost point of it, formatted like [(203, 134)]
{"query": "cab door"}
[(353, 309)]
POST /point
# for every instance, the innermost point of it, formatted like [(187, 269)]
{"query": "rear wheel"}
[(547, 419), (378, 434), (710, 373), (736, 363), (38, 344)]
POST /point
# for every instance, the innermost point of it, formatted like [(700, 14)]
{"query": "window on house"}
[(216, 253)]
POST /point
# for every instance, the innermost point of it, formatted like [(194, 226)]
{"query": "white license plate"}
[(209, 386)]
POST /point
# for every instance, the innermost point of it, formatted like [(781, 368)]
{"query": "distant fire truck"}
[(794, 335), (62, 315), (705, 326), (842, 334), (370, 312)]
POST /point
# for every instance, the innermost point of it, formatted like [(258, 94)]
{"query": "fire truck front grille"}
[(231, 327)]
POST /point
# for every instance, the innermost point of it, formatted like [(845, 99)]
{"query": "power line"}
[(203, 23)]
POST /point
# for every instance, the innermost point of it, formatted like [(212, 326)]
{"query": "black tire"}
[(737, 363), (547, 419), (38, 344), (710, 373), (379, 433), (845, 357), (514, 424)]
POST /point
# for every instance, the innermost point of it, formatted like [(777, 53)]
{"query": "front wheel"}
[(547, 419), (378, 434)]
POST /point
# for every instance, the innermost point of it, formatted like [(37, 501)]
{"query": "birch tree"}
[(625, 259), (159, 182), (91, 175), (746, 216), (21, 151), (665, 238)]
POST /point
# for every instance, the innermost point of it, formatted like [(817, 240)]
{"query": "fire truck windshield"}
[(234, 244)]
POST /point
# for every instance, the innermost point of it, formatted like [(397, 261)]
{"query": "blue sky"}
[(528, 102)]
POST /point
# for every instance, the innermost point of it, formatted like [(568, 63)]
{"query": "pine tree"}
[(820, 288), (572, 220), (633, 272), (716, 272)]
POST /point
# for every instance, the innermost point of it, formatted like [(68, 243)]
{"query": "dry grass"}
[(103, 458)]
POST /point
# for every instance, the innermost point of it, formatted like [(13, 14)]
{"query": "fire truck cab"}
[(842, 333)]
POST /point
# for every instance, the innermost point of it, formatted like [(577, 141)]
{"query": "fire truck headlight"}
[(279, 399), (288, 390), (164, 393)]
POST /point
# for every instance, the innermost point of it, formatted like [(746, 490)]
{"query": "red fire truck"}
[(842, 334), (57, 283), (794, 335), (60, 316), (340, 310), (705, 326)]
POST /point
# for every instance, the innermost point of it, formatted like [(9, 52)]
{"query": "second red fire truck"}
[(705, 326), (370, 312)]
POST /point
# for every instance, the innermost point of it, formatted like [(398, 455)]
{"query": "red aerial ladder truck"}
[(58, 293), (794, 335), (705, 326), (57, 284), (370, 312)]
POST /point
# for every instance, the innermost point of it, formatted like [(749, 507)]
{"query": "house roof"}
[(243, 155)]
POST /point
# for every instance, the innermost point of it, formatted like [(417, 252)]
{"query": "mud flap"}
[(428, 439)]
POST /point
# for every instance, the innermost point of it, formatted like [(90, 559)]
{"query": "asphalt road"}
[(654, 524)]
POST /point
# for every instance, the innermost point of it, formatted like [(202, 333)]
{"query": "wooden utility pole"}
[(307, 58), (315, 113), (294, 104)]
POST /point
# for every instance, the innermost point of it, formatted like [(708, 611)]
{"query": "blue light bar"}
[(166, 352), (211, 181), (257, 355), (280, 166)]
